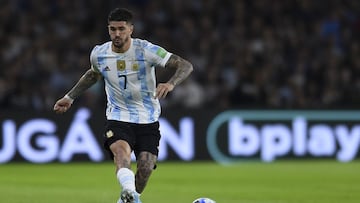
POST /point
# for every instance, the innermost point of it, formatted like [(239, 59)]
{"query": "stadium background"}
[(247, 54), (293, 55), (298, 57)]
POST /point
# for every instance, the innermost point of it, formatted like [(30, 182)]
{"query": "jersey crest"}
[(135, 67), (121, 65)]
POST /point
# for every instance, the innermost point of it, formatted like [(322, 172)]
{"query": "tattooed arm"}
[(86, 81), (183, 70)]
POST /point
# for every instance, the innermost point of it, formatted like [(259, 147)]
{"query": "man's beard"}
[(118, 43)]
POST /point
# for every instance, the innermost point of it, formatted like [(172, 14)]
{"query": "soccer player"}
[(127, 66)]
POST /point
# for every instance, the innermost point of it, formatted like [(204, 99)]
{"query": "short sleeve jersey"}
[(130, 81)]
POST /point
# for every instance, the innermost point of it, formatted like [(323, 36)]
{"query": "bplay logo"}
[(269, 135)]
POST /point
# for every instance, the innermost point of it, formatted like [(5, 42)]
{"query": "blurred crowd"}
[(282, 54)]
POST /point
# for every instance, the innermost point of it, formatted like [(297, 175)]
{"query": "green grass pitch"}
[(316, 181)]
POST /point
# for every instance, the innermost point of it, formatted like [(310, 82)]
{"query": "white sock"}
[(126, 178)]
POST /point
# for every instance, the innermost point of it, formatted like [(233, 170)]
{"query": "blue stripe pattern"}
[(139, 54), (134, 115), (102, 56), (133, 112)]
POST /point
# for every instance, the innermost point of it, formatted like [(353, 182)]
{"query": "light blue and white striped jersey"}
[(130, 81)]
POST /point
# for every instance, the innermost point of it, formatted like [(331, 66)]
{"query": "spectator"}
[(259, 54)]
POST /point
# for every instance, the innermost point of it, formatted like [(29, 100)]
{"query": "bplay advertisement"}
[(223, 136)]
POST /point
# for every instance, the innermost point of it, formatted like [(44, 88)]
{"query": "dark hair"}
[(120, 14)]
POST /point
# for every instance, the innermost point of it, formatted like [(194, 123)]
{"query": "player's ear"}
[(131, 27), (108, 27)]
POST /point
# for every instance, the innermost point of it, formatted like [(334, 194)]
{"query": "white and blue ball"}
[(203, 200)]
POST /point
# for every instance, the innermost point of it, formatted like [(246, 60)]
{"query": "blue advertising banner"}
[(222, 136)]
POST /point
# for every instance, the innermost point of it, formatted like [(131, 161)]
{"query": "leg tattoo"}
[(145, 164)]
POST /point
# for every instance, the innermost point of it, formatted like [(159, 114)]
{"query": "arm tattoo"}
[(86, 81), (183, 69)]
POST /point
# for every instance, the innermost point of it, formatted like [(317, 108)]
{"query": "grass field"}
[(182, 182)]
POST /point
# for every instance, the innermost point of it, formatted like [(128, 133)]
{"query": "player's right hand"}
[(62, 105)]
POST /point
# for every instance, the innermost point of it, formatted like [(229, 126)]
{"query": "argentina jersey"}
[(130, 81)]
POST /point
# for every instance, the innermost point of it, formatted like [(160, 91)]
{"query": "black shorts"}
[(140, 137)]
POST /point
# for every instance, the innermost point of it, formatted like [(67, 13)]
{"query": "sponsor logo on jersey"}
[(161, 52)]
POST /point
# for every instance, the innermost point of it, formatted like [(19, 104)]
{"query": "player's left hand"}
[(163, 89)]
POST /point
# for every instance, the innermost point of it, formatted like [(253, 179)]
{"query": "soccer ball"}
[(203, 200)]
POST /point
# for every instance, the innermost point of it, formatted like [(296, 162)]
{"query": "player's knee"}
[(120, 148)]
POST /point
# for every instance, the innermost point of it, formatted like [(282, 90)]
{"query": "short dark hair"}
[(120, 14)]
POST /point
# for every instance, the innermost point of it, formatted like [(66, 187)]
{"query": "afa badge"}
[(121, 65), (109, 134)]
